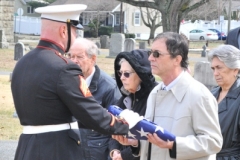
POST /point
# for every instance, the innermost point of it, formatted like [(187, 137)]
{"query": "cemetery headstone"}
[(19, 51), (116, 44), (129, 44), (80, 33), (98, 44), (104, 41), (204, 51), (142, 45), (204, 74)]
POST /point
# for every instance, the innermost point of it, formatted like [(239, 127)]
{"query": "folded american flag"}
[(143, 127)]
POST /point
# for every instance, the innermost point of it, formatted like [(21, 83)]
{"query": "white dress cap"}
[(62, 12)]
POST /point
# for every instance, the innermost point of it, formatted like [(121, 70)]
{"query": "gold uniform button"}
[(78, 142)]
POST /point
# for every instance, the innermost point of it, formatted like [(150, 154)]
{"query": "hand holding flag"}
[(140, 127)]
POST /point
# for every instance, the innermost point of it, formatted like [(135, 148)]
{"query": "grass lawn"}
[(10, 128)]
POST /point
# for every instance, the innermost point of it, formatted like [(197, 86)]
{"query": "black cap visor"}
[(76, 24)]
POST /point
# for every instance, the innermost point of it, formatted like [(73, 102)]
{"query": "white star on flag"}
[(143, 127), (159, 128), (143, 133), (131, 135)]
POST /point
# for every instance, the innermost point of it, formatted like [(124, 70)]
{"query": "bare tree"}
[(152, 19), (209, 11), (173, 11), (96, 20)]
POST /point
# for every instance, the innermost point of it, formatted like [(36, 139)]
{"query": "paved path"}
[(4, 73), (7, 150)]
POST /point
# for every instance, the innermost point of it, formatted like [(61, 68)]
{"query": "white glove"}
[(131, 117)]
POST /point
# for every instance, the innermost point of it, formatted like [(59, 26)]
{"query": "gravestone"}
[(142, 45), (80, 33), (3, 40), (129, 44), (204, 52), (19, 51), (116, 44), (104, 41), (204, 74), (98, 44)]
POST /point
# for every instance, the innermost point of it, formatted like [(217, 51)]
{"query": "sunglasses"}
[(155, 53), (125, 74)]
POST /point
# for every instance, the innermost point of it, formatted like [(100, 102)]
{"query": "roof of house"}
[(92, 5)]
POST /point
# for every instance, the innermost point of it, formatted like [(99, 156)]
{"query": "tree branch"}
[(143, 19), (140, 3), (196, 5)]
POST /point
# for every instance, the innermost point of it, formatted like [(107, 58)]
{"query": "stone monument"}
[(142, 45), (116, 44), (204, 51), (129, 44), (104, 40), (19, 51), (204, 74)]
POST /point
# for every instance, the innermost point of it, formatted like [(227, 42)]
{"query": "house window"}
[(86, 18), (110, 19), (30, 9), (117, 18), (137, 18)]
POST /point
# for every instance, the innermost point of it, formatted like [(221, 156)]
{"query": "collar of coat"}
[(180, 88), (51, 45), (233, 92), (94, 83)]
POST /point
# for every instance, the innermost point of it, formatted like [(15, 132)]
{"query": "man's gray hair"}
[(90, 47), (228, 54)]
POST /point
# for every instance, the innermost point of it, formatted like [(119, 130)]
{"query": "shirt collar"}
[(89, 78), (168, 87)]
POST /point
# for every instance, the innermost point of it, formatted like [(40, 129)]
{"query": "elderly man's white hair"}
[(90, 47)]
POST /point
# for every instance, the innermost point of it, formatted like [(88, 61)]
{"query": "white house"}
[(110, 13), (27, 10)]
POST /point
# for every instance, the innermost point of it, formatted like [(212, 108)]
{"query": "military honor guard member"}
[(50, 93)]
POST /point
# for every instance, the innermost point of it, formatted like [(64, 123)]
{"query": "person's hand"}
[(131, 117), (125, 141), (154, 139), (116, 155)]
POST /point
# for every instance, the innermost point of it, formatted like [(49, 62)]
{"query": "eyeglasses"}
[(155, 53), (125, 74)]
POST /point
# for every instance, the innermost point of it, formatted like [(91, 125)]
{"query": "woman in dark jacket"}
[(225, 62), (135, 81)]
